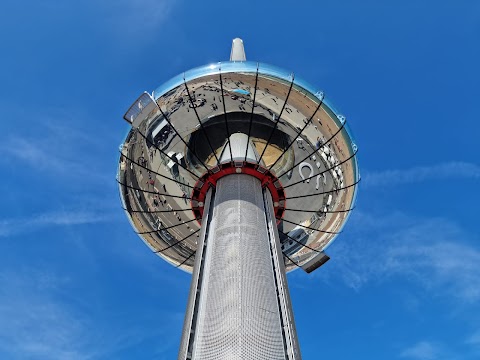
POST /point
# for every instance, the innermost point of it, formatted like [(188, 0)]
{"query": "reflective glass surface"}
[(296, 134)]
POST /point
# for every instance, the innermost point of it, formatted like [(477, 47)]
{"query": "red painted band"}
[(267, 179)]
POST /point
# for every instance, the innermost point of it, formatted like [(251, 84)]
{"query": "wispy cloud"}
[(442, 266), (474, 339), (449, 170), (15, 226), (41, 156), (435, 253), (133, 17), (60, 151), (38, 322), (435, 350), (62, 158), (34, 324), (422, 350)]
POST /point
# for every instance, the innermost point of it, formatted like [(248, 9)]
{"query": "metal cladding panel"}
[(238, 50), (290, 331), (239, 149), (189, 321), (238, 316)]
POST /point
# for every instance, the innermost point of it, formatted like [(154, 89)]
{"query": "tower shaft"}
[(239, 306)]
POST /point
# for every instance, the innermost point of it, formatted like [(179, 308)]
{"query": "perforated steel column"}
[(239, 307), (238, 314)]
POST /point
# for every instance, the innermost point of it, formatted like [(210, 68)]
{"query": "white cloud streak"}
[(422, 350), (36, 326), (16, 226), (444, 265), (451, 170), (435, 253), (134, 17), (474, 339), (38, 323), (60, 151)]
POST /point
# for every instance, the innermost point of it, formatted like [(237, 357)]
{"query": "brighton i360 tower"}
[(238, 172)]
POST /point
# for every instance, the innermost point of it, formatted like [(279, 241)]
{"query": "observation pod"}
[(238, 172)]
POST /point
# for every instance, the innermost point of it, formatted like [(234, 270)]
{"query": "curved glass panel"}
[(167, 86), (311, 90), (245, 66), (275, 71), (202, 71)]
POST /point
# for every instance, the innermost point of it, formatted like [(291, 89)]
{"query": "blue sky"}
[(404, 279)]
